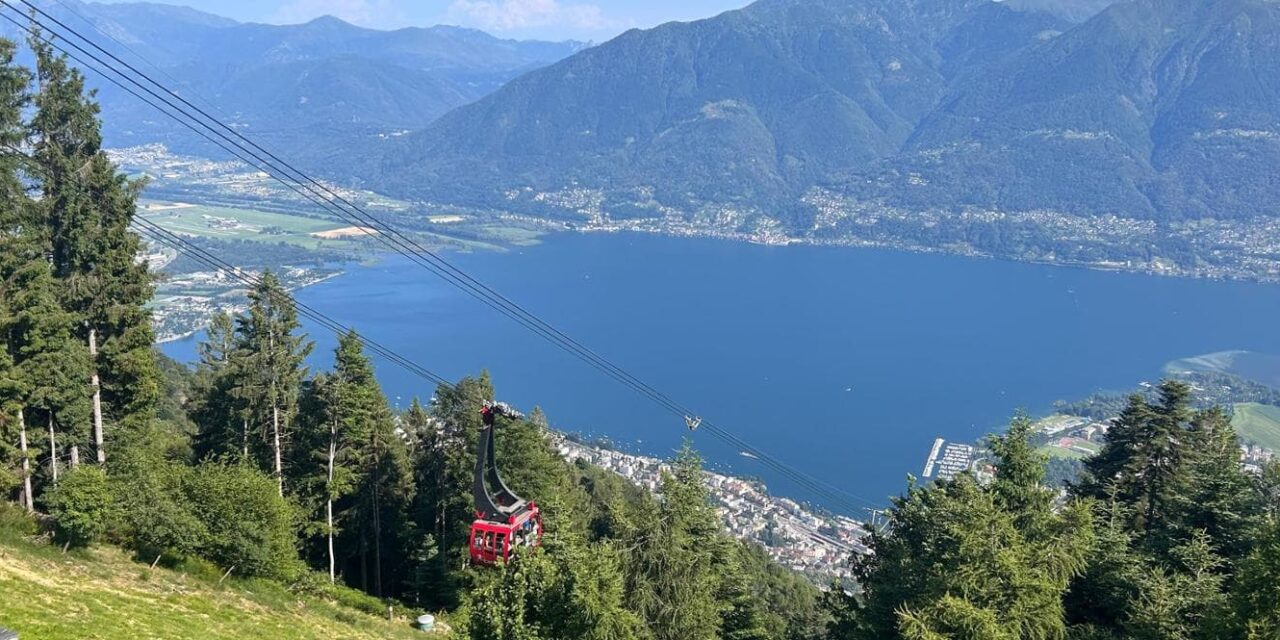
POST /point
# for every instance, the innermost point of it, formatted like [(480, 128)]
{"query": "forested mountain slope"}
[(1148, 109), (749, 107), (297, 87)]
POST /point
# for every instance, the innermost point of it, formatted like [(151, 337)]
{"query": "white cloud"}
[(366, 13), (509, 15)]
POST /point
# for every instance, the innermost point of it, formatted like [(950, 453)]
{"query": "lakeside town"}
[(1073, 438), (818, 545), (1232, 249), (184, 304)]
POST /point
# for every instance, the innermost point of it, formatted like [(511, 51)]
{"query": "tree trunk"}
[(53, 449), (364, 564), (75, 456), (27, 499), (275, 412), (333, 449), (97, 396), (377, 520), (244, 441), (275, 435)]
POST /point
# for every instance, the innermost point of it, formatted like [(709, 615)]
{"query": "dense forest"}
[(254, 464)]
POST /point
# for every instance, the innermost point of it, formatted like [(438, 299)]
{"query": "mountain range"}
[(325, 84), (1148, 109)]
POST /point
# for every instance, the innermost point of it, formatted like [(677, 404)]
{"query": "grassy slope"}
[(104, 595), (1258, 423)]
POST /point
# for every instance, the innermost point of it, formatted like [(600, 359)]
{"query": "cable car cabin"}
[(494, 542), (504, 521)]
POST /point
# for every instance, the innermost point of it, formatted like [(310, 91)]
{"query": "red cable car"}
[(504, 521)]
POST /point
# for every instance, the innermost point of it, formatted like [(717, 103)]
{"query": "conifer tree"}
[(1146, 463), (967, 561), (374, 463), (1255, 595), (444, 461), (50, 364), (20, 243), (743, 617), (220, 408), (672, 581), (271, 353), (1221, 501), (88, 207), (1018, 485)]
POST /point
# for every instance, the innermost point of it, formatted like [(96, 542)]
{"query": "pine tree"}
[(967, 561), (20, 243), (272, 354), (444, 461), (672, 581), (427, 576), (51, 364), (1019, 479), (1221, 501), (1255, 596), (1146, 464), (89, 206), (374, 464), (220, 406), (743, 617)]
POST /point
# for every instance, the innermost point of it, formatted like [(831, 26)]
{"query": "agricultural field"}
[(1069, 447), (1257, 424), (227, 223)]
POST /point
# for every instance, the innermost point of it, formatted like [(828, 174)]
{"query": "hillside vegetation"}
[(302, 486), (102, 594), (829, 116), (1257, 424)]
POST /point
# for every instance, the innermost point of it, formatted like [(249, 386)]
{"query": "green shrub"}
[(155, 514), (248, 525), (198, 568), (14, 520), (82, 506)]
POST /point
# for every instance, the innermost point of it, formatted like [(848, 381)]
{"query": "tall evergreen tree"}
[(51, 364), (375, 468), (271, 353), (672, 580), (1018, 485), (21, 241), (444, 461), (1145, 463), (1221, 501), (88, 206), (220, 408), (1181, 515), (966, 561)]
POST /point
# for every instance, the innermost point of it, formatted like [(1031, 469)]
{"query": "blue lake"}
[(845, 363)]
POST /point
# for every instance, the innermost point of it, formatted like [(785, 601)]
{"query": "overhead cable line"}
[(234, 142), (327, 199), (199, 254)]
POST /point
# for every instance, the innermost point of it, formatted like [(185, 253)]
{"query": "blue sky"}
[(547, 19)]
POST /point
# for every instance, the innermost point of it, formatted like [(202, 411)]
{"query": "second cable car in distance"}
[(504, 521)]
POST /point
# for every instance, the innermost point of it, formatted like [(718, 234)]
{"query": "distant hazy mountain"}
[(1151, 108), (752, 106), (1073, 10), (300, 85), (1154, 108)]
